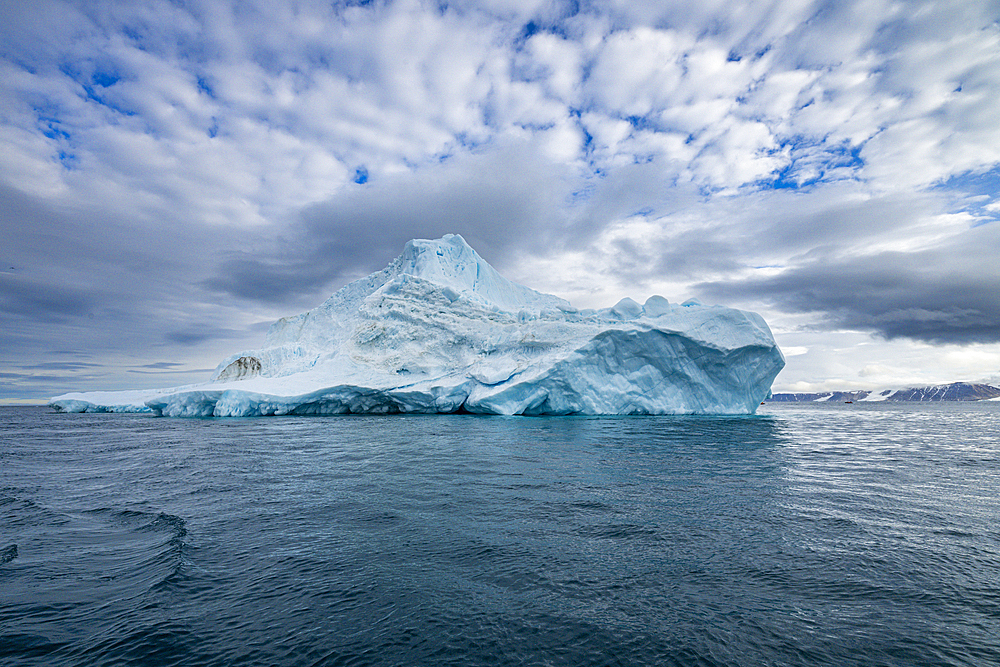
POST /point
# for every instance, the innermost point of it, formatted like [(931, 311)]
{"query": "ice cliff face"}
[(439, 330)]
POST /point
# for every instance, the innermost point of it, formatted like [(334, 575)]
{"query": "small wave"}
[(8, 554), (170, 522), (149, 547), (21, 512), (173, 555), (619, 531), (22, 646), (143, 521), (381, 519)]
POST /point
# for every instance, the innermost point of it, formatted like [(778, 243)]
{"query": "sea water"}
[(863, 534)]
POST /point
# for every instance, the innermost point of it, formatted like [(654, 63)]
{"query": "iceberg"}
[(439, 330)]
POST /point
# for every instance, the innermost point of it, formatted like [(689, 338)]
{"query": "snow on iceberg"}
[(439, 330)]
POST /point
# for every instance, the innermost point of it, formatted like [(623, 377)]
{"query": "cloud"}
[(50, 302), (503, 200), (945, 294), (171, 371), (175, 173), (94, 280), (60, 366)]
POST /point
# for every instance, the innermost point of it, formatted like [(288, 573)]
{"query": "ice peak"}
[(452, 263), (441, 260)]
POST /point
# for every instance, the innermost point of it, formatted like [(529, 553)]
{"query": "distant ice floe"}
[(439, 331)]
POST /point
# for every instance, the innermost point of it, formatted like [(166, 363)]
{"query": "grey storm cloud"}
[(947, 294), (44, 300), (60, 366), (496, 200)]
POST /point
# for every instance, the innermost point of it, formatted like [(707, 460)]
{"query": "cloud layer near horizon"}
[(177, 174)]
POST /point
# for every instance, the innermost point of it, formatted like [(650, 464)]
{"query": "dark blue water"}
[(810, 535)]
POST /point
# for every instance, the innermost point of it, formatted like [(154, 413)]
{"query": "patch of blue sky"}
[(341, 7), (985, 182), (205, 87), (464, 141), (467, 141), (976, 193), (50, 124), (94, 81), (569, 9), (581, 195), (67, 159), (640, 122), (361, 175), (588, 142), (104, 79), (789, 178), (707, 191), (535, 127), (90, 73), (135, 36), (529, 30), (813, 163), (53, 130), (94, 95)]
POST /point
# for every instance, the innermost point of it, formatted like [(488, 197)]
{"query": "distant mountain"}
[(832, 396), (956, 391)]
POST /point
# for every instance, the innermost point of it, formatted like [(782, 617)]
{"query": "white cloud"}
[(636, 72), (559, 63)]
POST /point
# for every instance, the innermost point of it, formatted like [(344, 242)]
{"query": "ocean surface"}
[(815, 534)]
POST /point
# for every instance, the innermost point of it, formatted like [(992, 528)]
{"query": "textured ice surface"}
[(439, 330)]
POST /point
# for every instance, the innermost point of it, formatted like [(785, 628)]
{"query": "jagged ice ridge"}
[(440, 331)]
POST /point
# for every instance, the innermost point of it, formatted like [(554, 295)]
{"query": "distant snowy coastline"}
[(956, 391), (439, 331)]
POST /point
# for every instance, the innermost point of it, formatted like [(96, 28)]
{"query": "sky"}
[(175, 175)]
